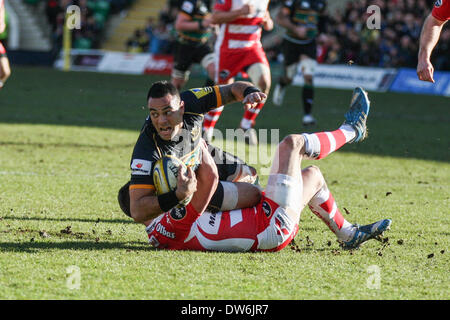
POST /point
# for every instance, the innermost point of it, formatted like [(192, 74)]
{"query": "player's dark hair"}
[(160, 89)]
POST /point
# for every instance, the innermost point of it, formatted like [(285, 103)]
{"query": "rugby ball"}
[(165, 174)]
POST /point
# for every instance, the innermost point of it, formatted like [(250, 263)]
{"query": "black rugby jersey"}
[(196, 10), (305, 13), (150, 147)]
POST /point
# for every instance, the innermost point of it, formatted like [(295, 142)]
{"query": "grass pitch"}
[(65, 145)]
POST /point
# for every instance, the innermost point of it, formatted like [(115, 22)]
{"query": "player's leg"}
[(290, 64), (183, 59), (5, 69), (259, 74), (238, 187), (279, 213), (227, 66), (322, 204), (320, 144), (212, 117), (207, 63), (285, 183), (285, 176), (307, 66), (224, 72)]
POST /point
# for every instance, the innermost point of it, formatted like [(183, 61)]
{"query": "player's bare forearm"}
[(283, 20), (233, 92), (185, 23), (429, 37), (219, 17), (237, 91), (144, 205), (268, 22)]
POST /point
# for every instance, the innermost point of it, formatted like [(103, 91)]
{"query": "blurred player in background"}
[(238, 48), (301, 19), (429, 37), (5, 70), (193, 24)]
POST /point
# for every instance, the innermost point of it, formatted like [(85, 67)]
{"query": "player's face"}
[(166, 114)]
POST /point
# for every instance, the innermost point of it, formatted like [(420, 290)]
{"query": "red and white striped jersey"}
[(243, 32), (263, 227)]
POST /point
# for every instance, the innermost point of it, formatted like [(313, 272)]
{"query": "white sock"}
[(349, 132)]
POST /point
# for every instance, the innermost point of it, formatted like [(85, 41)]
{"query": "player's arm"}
[(144, 203), (283, 19), (203, 100), (267, 22), (185, 22), (429, 37), (241, 91), (221, 16)]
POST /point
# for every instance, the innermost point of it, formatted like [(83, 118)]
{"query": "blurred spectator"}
[(346, 38), (394, 45), (138, 42), (94, 14), (442, 52), (161, 41)]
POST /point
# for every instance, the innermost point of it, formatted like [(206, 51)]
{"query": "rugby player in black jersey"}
[(174, 128), (303, 21), (193, 25)]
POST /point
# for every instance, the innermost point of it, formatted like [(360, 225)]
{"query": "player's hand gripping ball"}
[(165, 174)]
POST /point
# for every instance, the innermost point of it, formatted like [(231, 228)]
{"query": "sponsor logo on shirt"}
[(267, 209), (178, 213), (212, 219), (141, 167), (438, 3), (187, 6), (201, 92), (162, 230)]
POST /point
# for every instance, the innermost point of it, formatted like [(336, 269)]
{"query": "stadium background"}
[(35, 36), (66, 140)]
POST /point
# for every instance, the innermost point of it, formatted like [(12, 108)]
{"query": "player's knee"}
[(211, 70), (259, 74), (264, 84), (315, 175), (293, 142), (178, 83), (249, 195)]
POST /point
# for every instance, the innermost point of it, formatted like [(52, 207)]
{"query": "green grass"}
[(65, 145)]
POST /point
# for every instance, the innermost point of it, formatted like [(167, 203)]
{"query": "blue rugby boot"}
[(357, 115), (367, 232)]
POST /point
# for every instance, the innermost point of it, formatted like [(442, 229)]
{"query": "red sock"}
[(250, 116), (324, 206), (320, 144), (211, 118)]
